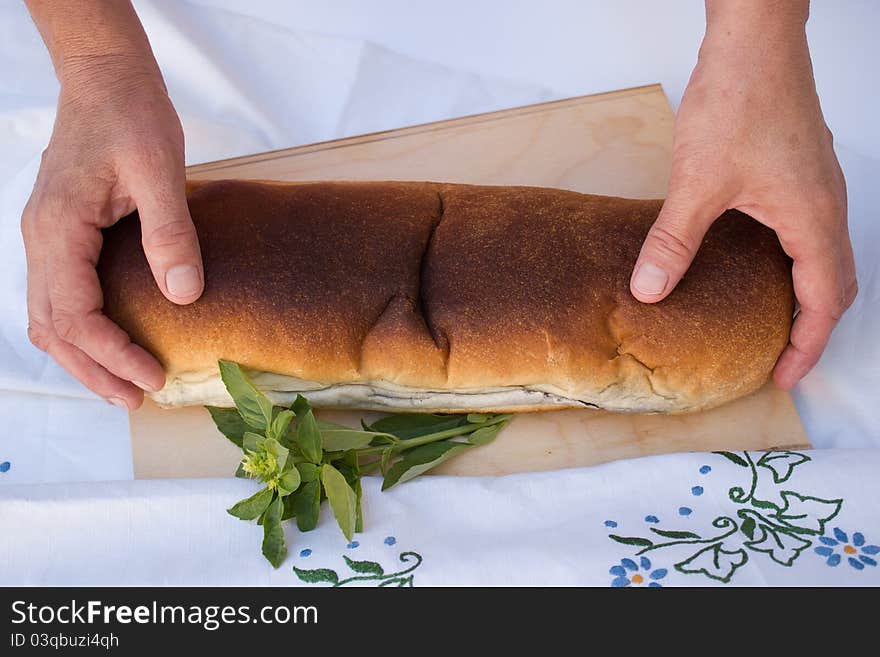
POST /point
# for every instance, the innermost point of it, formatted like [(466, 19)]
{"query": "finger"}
[(118, 392), (809, 335), (825, 286), (96, 378), (75, 298), (169, 236), (671, 245)]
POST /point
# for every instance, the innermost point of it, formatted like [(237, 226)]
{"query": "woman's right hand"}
[(117, 145)]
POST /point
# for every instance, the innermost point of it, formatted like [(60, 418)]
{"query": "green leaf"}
[(274, 546), (364, 567), (306, 505), (308, 436), (229, 423), (733, 458), (421, 459), (240, 473), (254, 406), (359, 514), (280, 424), (279, 451), (289, 482), (339, 440), (477, 418), (412, 425), (782, 463), (484, 435), (748, 527), (631, 540), (307, 471), (342, 499), (254, 506), (667, 533), (317, 576), (714, 562), (253, 442)]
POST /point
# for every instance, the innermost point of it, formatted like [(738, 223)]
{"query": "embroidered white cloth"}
[(267, 74), (693, 519)]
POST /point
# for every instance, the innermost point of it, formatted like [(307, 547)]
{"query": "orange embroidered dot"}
[(638, 579), (849, 549)]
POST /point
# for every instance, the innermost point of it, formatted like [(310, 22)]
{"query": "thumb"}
[(169, 239), (670, 246)]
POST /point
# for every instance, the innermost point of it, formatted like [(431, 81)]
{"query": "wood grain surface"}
[(617, 143)]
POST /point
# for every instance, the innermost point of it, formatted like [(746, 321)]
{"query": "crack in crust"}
[(437, 335)]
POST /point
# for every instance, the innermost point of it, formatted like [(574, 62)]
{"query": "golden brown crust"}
[(459, 288)]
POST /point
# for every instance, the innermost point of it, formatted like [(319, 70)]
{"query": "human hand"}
[(116, 146), (750, 135)]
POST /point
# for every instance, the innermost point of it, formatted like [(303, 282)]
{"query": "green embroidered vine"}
[(364, 571), (781, 529)]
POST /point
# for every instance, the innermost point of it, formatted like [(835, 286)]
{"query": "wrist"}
[(97, 77), (756, 21)]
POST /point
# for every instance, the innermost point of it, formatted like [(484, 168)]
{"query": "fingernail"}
[(118, 402), (144, 386), (650, 279), (183, 281)]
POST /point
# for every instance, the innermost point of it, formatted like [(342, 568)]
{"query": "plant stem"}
[(424, 440)]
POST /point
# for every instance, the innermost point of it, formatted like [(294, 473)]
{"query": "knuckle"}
[(169, 234), (66, 326), (672, 244), (38, 335)]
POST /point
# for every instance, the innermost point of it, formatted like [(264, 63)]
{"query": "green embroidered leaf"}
[(254, 406), (714, 562), (805, 514), (666, 533), (411, 425), (748, 527), (763, 504), (783, 547), (229, 423), (730, 456), (631, 540), (308, 436), (364, 567), (399, 582), (305, 504), (421, 459), (274, 547), (342, 499), (317, 576), (782, 463), (254, 506)]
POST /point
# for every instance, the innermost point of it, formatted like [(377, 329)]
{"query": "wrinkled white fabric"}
[(267, 74)]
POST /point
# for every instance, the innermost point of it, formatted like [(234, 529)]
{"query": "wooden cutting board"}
[(617, 143)]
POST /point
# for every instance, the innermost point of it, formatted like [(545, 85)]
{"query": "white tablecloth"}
[(263, 74)]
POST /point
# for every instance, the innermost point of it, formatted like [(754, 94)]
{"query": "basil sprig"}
[(301, 460)]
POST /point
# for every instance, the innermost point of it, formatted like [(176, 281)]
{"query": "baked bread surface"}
[(448, 297)]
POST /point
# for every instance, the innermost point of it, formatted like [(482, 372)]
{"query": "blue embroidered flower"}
[(857, 554), (631, 573)]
